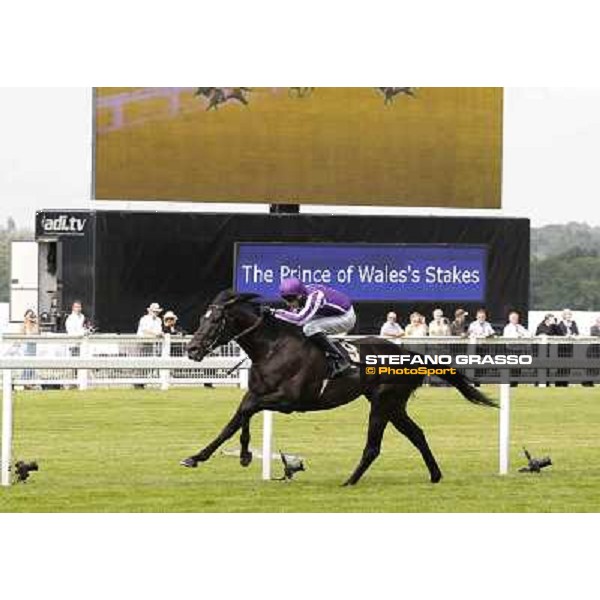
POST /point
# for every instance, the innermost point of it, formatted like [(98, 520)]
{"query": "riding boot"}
[(338, 363)]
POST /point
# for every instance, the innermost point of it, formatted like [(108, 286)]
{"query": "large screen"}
[(403, 146), (367, 272)]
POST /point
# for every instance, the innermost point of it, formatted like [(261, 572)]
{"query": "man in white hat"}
[(150, 325)]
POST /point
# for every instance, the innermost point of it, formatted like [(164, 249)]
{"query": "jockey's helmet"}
[(292, 287)]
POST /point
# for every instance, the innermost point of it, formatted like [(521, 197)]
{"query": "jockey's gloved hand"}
[(266, 310)]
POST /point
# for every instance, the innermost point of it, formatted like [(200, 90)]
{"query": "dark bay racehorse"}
[(300, 92), (218, 96), (289, 373), (390, 93)]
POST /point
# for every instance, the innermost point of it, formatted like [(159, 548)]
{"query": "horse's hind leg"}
[(406, 426), (378, 420)]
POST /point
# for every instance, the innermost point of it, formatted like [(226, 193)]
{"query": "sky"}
[(550, 163)]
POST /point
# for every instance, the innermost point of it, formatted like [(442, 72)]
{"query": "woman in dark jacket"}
[(548, 326)]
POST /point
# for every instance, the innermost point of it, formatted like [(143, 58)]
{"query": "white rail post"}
[(504, 428), (267, 444), (543, 375), (7, 427), (165, 374), (244, 378), (82, 374)]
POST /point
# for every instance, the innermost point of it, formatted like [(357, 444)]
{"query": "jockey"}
[(319, 310)]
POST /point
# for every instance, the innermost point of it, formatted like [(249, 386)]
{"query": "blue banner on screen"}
[(367, 272)]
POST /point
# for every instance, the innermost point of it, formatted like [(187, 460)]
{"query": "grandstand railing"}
[(102, 361)]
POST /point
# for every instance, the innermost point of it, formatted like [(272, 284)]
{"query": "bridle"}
[(223, 324)]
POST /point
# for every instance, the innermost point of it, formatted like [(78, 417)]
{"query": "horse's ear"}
[(241, 298), (233, 297), (247, 297)]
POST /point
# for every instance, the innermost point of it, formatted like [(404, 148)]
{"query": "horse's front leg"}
[(242, 415), (245, 453)]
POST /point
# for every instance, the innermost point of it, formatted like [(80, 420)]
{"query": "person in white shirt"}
[(150, 325), (513, 328), (390, 328), (75, 323), (480, 327), (417, 326), (439, 326)]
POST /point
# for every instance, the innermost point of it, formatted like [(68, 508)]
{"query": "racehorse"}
[(390, 93), (289, 374), (300, 92), (217, 96)]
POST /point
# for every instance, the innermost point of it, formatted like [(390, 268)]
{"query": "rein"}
[(246, 331), (250, 329), (239, 336)]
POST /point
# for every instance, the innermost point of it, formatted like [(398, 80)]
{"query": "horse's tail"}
[(467, 389)]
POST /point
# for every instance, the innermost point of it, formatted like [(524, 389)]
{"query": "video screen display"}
[(404, 146)]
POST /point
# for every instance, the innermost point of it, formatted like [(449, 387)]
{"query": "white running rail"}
[(118, 105)]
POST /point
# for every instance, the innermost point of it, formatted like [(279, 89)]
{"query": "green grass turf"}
[(118, 450)]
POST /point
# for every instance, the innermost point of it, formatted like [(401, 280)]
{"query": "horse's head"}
[(219, 324)]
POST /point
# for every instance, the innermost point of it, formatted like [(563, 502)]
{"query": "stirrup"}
[(337, 368)]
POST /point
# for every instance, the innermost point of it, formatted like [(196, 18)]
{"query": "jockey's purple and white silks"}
[(321, 302)]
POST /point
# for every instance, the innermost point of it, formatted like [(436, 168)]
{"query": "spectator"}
[(439, 326), (30, 323), (391, 329), (30, 327), (480, 327), (567, 326), (417, 327), (150, 325), (513, 329), (548, 326), (75, 324), (459, 327), (170, 324), (595, 328)]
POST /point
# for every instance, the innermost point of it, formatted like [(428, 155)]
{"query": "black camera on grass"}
[(291, 465), (535, 464), (24, 469)]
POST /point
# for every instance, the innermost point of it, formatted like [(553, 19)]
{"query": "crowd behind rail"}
[(480, 327), (152, 325), (158, 332)]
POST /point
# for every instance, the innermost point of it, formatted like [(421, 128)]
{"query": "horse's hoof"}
[(436, 478), (246, 460), (190, 463), (348, 483)]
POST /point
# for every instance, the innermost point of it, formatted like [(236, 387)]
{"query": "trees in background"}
[(565, 265)]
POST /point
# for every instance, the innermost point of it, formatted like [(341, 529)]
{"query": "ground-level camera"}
[(24, 469), (291, 465), (535, 465)]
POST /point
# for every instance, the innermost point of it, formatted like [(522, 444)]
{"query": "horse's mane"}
[(257, 305)]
